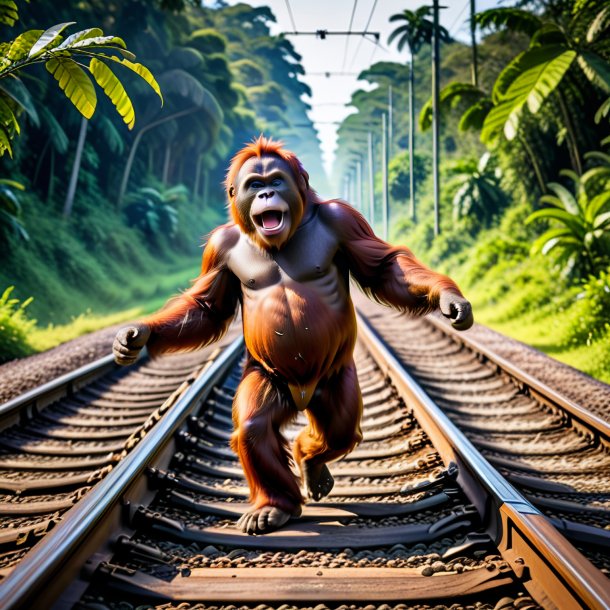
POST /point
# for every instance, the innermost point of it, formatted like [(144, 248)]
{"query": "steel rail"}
[(23, 586), (558, 573), (28, 404), (590, 420)]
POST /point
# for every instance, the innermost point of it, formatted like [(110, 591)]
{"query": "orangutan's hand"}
[(457, 309), (128, 343)]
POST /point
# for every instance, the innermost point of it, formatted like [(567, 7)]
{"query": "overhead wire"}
[(294, 26), (450, 28), (366, 27), (347, 38)]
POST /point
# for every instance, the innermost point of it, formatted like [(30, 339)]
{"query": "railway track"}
[(418, 518)]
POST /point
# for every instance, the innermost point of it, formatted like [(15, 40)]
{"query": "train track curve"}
[(434, 509)]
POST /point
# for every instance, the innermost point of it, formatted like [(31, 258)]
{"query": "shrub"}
[(14, 327), (589, 316)]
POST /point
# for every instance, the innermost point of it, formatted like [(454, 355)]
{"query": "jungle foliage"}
[(100, 212), (525, 171)]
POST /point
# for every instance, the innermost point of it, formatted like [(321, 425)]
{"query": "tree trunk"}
[(436, 119), (197, 176), (80, 145), (412, 139), (204, 193), (39, 162), (136, 143), (166, 160), (51, 188), (572, 144), (532, 157), (473, 41)]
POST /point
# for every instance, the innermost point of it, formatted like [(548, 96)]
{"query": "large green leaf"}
[(568, 201), (599, 24), (450, 97), (569, 220), (596, 69), (20, 47), (17, 91), (602, 111), (548, 236), (75, 83), (48, 38), (143, 72), (545, 71), (7, 116), (602, 221), (475, 116), (106, 42), (552, 200), (114, 89), (535, 84), (9, 13), (5, 141), (88, 33), (514, 19), (495, 121), (596, 205)]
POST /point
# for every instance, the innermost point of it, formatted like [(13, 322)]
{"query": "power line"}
[(450, 29), (322, 34), (329, 74), (366, 27), (349, 27), (294, 27)]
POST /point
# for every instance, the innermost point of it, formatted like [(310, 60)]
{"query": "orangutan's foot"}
[(265, 519), (318, 480)]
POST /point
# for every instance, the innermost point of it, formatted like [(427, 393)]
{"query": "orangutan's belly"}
[(302, 331)]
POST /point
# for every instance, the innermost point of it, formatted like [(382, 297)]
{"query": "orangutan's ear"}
[(231, 191), (303, 184)]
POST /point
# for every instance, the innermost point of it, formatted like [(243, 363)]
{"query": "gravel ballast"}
[(23, 374)]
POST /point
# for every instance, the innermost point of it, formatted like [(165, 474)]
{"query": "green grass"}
[(545, 330), (90, 271), (528, 299), (44, 338)]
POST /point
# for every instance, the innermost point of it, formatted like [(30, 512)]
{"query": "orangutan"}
[(287, 257)]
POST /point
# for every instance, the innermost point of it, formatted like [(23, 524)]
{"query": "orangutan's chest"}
[(308, 257)]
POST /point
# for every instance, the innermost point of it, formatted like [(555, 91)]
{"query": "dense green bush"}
[(589, 316), (14, 327)]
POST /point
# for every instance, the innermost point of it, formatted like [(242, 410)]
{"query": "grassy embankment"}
[(527, 297), (79, 275)]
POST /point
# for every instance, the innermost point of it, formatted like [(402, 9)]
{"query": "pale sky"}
[(349, 54)]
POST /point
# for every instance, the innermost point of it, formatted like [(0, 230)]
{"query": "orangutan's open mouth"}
[(270, 222)]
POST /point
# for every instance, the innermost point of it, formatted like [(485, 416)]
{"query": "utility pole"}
[(371, 182), (473, 42), (411, 140), (390, 120), (384, 174), (435, 116), (359, 184)]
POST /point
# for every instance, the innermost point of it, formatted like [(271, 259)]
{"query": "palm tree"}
[(415, 32)]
